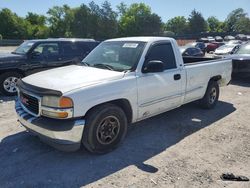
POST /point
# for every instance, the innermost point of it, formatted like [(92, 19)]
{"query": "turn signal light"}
[(65, 102)]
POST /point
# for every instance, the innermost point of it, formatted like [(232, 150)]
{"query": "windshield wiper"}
[(109, 67), (85, 63)]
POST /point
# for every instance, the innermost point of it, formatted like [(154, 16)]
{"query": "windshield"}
[(115, 55), (24, 47), (245, 49)]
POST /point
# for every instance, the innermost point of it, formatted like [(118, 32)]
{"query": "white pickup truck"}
[(120, 82)]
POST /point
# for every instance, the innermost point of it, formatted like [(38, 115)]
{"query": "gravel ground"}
[(7, 49), (186, 147)]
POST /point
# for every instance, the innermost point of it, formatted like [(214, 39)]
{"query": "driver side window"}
[(46, 49), (164, 53)]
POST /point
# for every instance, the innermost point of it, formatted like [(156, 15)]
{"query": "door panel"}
[(158, 92)]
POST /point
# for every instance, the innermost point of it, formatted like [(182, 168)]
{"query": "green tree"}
[(60, 20), (177, 25), (139, 20), (37, 27), (238, 21), (242, 25), (108, 21), (197, 23), (12, 26), (232, 21), (81, 24), (122, 8), (213, 24)]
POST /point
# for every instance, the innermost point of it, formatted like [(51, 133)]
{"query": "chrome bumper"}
[(57, 133)]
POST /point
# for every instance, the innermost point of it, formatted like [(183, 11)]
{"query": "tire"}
[(211, 96), (106, 127), (8, 82)]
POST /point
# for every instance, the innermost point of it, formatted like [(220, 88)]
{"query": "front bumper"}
[(64, 135)]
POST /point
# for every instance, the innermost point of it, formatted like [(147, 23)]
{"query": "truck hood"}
[(9, 57), (72, 77)]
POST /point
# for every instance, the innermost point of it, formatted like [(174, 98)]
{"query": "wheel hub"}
[(213, 95), (108, 130), (9, 84)]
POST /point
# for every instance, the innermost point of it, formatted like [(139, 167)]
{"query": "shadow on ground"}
[(244, 82), (6, 98), (27, 162)]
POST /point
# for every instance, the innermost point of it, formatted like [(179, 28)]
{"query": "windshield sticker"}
[(130, 45)]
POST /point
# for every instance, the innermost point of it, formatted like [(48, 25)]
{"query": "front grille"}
[(31, 103)]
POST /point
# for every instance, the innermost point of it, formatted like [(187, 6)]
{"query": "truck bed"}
[(196, 60)]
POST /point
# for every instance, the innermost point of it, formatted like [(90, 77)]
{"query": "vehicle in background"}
[(241, 37), (211, 39), (241, 61), (38, 55), (226, 49), (211, 47), (234, 42), (218, 39), (122, 81), (248, 37), (229, 37), (191, 51), (203, 39), (200, 45)]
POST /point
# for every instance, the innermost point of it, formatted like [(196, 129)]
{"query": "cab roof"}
[(141, 39), (63, 39)]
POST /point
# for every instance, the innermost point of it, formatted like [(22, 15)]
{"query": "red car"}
[(213, 45)]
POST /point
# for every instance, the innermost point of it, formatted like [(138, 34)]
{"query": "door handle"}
[(177, 77), (59, 59)]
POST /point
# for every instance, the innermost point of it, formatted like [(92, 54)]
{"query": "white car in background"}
[(226, 49)]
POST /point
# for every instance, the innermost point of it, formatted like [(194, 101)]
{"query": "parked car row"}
[(37, 55), (236, 49), (227, 38)]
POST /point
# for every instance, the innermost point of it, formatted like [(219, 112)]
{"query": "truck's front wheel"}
[(105, 129), (211, 96)]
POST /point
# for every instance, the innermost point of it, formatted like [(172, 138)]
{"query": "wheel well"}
[(124, 104), (12, 70), (215, 78)]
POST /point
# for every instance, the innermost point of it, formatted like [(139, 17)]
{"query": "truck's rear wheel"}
[(8, 83), (211, 96), (105, 129)]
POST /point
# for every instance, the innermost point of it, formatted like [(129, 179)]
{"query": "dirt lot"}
[(7, 49), (186, 147)]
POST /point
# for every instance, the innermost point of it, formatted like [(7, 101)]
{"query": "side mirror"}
[(153, 66)]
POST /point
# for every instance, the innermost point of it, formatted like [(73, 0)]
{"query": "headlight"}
[(57, 107), (57, 102)]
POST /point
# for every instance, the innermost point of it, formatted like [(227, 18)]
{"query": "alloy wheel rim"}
[(212, 95), (9, 84), (108, 130)]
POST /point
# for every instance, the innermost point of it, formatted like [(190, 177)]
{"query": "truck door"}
[(161, 91), (44, 56)]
